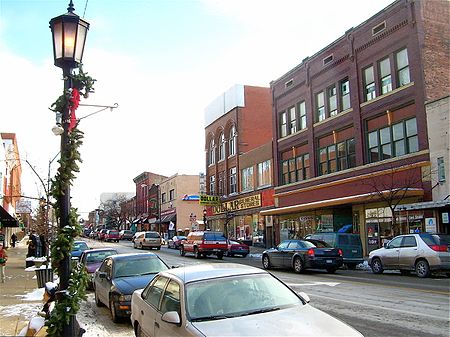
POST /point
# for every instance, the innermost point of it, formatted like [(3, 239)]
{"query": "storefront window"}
[(296, 226)]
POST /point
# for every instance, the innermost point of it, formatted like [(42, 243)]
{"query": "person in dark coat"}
[(13, 239)]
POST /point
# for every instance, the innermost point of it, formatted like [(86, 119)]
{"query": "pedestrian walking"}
[(13, 239), (3, 259)]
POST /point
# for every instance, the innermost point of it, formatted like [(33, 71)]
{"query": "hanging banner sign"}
[(239, 204), (209, 200)]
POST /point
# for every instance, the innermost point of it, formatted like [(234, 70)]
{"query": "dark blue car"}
[(78, 248), (120, 275)]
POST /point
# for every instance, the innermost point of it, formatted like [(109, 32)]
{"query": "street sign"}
[(23, 206)]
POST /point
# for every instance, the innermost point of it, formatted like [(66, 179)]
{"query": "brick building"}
[(350, 127), (238, 147)]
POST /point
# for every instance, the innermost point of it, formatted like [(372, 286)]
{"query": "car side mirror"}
[(171, 317), (385, 245), (102, 275), (304, 296)]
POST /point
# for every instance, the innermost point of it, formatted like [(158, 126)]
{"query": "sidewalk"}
[(20, 298)]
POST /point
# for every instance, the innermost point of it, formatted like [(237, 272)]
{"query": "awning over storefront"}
[(168, 218), (422, 205), (353, 199), (6, 219)]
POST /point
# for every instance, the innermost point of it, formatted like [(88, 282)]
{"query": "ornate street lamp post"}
[(69, 36)]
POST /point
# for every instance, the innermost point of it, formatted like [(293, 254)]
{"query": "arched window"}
[(212, 152), (232, 142), (221, 146)]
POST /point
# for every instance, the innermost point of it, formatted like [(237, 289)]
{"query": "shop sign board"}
[(209, 200), (430, 225), (445, 218), (251, 201)]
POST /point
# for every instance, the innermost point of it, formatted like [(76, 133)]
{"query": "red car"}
[(236, 248), (112, 235)]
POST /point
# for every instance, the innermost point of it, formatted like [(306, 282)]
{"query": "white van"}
[(148, 239)]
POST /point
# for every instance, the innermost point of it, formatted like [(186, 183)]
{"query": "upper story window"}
[(292, 121), (402, 67), (221, 183), (345, 94), (283, 124), (163, 197), (212, 185), (295, 169), (320, 106), (337, 157), (392, 141), (247, 179), (212, 152), (233, 180), (369, 84), (221, 146), (302, 115), (332, 100), (385, 76), (171, 195), (232, 142), (264, 174), (441, 169)]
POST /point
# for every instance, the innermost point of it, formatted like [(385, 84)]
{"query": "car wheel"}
[(182, 251), (138, 331), (377, 267), (351, 266), (140, 246), (220, 256), (331, 270), (422, 269), (266, 262), (112, 308), (98, 303), (298, 265), (134, 245), (197, 255)]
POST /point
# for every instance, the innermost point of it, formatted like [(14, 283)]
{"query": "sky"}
[(162, 62)]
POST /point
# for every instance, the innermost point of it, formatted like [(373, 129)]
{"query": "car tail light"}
[(340, 252), (311, 252), (439, 248)]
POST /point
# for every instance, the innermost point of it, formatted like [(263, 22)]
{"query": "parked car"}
[(175, 242), (148, 240), (203, 244), (300, 255), (101, 234), (422, 253), (135, 235), (111, 235), (349, 243), (94, 234), (125, 234), (236, 248), (86, 232), (78, 248), (227, 299), (119, 276), (91, 259)]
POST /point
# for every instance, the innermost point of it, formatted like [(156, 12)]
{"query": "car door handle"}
[(157, 325), (142, 312)]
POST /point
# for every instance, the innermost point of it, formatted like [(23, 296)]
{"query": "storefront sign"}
[(209, 200), (445, 218), (430, 225), (239, 204)]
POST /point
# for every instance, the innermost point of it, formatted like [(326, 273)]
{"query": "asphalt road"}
[(377, 305)]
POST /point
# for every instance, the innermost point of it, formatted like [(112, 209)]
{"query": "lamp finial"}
[(70, 9)]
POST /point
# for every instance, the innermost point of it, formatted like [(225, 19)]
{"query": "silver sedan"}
[(227, 300)]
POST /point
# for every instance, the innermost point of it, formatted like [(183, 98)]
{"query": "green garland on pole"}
[(68, 304)]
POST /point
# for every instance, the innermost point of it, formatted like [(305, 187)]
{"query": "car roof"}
[(99, 250), (207, 271), (132, 255)]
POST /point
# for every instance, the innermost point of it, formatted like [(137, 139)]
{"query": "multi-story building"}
[(143, 183), (175, 207), (10, 185), (238, 147), (350, 127)]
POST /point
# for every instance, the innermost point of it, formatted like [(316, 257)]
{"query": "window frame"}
[(320, 109), (369, 94), (221, 146), (399, 70), (233, 180), (232, 142), (264, 174), (283, 124), (212, 152), (247, 179), (212, 184)]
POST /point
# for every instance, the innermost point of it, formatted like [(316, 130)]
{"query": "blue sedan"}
[(78, 248), (120, 275)]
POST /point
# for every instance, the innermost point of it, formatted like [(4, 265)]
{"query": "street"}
[(376, 305)]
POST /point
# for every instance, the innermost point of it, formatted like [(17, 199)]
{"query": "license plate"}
[(329, 261)]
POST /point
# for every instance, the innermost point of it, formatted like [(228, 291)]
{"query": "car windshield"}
[(96, 257), (237, 296), (138, 267), (113, 232), (80, 246)]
